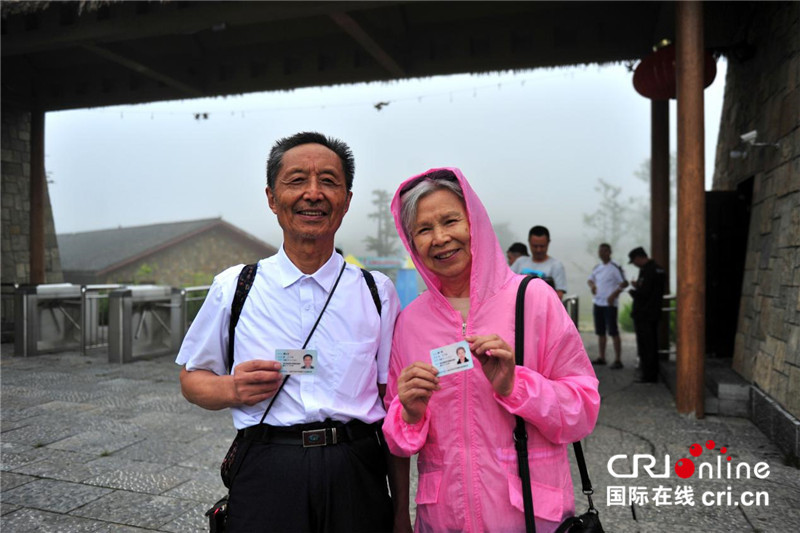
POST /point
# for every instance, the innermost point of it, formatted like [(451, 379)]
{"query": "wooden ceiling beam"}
[(354, 29), (168, 19), (144, 70)]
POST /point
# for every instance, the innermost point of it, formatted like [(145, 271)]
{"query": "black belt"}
[(310, 435)]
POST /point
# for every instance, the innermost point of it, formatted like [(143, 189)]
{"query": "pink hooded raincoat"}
[(468, 477)]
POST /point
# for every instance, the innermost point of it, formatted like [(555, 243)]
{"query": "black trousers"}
[(647, 347), (287, 488)]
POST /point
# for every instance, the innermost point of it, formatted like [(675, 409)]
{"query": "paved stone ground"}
[(90, 446)]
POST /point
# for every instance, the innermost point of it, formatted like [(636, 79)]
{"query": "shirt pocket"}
[(548, 501), (428, 487), (355, 368)]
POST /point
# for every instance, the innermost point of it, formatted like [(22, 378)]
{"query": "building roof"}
[(106, 250)]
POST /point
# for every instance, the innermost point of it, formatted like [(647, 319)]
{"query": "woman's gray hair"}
[(420, 188)]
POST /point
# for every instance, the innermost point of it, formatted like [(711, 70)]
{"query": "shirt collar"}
[(325, 276)]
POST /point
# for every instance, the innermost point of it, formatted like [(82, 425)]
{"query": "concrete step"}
[(727, 393)]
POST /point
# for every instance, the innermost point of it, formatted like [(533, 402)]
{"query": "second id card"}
[(452, 358), (297, 361)]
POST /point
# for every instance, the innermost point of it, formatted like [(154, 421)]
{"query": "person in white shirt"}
[(607, 281), (317, 453), (540, 264)]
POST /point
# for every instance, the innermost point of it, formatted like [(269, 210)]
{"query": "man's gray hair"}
[(420, 188), (281, 146)]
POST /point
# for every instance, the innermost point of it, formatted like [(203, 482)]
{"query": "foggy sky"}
[(532, 144)]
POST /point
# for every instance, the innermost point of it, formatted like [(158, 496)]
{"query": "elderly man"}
[(316, 453)]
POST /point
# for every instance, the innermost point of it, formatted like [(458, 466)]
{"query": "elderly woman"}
[(461, 424)]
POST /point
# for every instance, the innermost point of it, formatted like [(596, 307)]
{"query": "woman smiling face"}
[(441, 238)]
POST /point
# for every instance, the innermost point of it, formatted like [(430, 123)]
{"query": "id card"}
[(452, 358), (297, 361)]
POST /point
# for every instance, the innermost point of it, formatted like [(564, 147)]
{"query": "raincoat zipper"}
[(468, 447)]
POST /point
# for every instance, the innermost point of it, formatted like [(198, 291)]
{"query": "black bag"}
[(218, 516), (588, 522)]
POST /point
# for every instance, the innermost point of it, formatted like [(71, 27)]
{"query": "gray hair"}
[(420, 188), (281, 146)]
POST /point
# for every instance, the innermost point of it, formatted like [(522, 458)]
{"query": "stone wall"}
[(763, 93), (194, 261), (16, 173)]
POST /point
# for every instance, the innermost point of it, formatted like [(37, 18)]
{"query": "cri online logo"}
[(685, 468)]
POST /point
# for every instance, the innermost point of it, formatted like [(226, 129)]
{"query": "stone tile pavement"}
[(91, 446)]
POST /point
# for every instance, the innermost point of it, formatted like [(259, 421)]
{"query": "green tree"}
[(623, 221), (606, 223), (144, 274), (384, 243)]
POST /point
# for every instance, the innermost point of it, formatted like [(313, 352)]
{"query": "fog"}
[(533, 144)]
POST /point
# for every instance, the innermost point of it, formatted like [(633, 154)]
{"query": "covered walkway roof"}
[(66, 55)]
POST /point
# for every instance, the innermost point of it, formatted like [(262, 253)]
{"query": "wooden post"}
[(37, 188), (689, 58), (660, 200)]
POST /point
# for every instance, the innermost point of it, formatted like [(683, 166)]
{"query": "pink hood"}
[(490, 269)]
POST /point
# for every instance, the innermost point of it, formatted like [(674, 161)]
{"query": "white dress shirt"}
[(352, 342)]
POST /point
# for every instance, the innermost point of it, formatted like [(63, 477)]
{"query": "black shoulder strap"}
[(246, 278), (373, 289), (519, 320), (521, 435)]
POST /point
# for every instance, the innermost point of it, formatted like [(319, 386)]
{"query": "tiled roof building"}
[(177, 254)]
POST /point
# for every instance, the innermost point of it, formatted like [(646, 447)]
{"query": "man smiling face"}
[(310, 196)]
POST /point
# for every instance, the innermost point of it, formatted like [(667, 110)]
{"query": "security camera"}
[(749, 137)]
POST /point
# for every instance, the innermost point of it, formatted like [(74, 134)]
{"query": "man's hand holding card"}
[(297, 362)]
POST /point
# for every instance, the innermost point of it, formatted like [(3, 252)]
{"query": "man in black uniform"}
[(647, 292)]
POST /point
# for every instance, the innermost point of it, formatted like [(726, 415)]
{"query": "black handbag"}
[(588, 522)]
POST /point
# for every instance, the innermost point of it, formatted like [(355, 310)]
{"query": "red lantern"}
[(654, 77)]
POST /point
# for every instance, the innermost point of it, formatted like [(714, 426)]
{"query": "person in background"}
[(540, 263), (648, 294), (515, 251), (461, 424), (607, 281)]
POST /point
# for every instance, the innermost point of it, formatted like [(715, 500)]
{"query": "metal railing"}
[(669, 303), (571, 305), (90, 319), (144, 321), (94, 323), (192, 298), (47, 318)]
